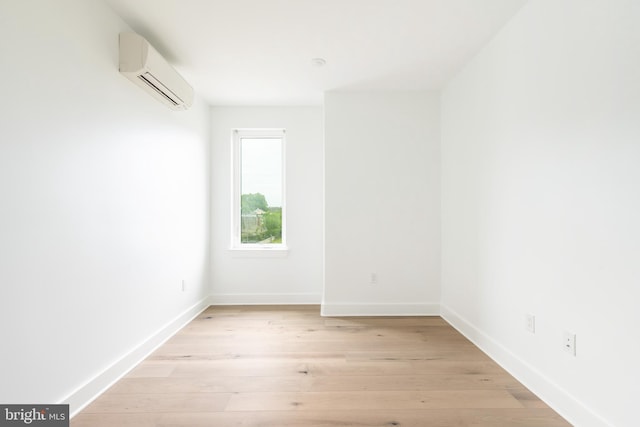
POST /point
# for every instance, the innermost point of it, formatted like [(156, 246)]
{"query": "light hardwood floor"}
[(274, 366)]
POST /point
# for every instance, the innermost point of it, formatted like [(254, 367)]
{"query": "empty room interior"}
[(361, 212)]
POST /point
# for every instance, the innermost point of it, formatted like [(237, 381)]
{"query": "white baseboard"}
[(265, 299), (556, 397), (397, 309), (93, 388)]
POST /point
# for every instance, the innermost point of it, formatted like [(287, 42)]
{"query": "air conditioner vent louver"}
[(143, 65), (159, 87)]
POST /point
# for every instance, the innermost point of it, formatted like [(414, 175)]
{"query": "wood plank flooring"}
[(274, 366)]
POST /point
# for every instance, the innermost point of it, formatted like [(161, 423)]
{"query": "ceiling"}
[(260, 52)]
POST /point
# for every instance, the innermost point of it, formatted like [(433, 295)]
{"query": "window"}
[(258, 189)]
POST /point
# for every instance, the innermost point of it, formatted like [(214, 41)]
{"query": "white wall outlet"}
[(569, 342), (530, 323), (373, 278), (184, 287)]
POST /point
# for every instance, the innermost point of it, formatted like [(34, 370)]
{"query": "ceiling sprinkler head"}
[(319, 62)]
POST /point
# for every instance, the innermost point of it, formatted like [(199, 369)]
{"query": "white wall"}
[(541, 200), (382, 203), (261, 278), (103, 206)]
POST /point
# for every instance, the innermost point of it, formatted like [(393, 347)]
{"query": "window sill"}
[(259, 252)]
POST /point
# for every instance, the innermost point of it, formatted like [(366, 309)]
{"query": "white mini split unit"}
[(144, 66)]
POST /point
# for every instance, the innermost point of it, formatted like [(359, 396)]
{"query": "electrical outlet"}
[(530, 323), (374, 278), (569, 342)]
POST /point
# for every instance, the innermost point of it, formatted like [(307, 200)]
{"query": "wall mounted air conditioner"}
[(144, 66)]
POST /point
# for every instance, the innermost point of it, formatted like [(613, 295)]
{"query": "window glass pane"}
[(261, 190)]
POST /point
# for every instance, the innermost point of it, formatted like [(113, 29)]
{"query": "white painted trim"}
[(555, 396), (265, 299), (93, 388), (262, 251), (375, 309)]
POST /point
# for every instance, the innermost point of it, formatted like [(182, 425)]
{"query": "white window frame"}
[(236, 178)]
